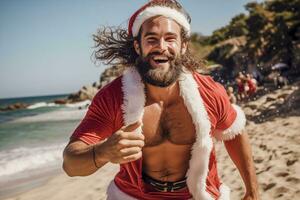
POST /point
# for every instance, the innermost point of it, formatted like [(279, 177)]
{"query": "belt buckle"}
[(166, 186), (170, 187)]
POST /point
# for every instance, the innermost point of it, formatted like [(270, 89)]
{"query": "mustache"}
[(170, 56)]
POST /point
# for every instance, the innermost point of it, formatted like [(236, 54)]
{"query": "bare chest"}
[(171, 124)]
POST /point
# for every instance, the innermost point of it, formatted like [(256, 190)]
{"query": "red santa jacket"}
[(122, 103)]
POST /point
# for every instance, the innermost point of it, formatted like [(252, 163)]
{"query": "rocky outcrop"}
[(228, 53), (110, 74), (89, 91), (61, 101), (15, 106), (85, 93)]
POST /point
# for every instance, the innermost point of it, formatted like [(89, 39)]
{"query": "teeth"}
[(158, 58)]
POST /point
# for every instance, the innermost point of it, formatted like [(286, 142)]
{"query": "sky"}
[(46, 46)]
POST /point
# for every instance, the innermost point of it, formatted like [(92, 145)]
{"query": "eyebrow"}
[(154, 34)]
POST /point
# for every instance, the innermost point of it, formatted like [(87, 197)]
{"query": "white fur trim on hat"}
[(235, 129), (158, 10)]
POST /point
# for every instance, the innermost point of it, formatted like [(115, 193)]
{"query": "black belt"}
[(164, 186)]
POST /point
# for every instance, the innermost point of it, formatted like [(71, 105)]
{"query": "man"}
[(159, 119)]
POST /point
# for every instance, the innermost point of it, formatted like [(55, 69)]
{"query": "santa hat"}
[(147, 11)]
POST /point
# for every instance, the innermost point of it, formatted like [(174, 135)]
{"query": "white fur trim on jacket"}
[(159, 10), (133, 110), (225, 192), (114, 193), (134, 98), (198, 166), (235, 129)]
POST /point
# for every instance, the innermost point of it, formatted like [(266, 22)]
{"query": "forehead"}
[(161, 25)]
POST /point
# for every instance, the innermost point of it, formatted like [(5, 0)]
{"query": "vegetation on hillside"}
[(268, 34)]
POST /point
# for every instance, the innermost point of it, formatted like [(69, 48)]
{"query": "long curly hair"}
[(114, 46)]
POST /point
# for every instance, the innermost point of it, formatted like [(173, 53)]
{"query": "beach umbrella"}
[(279, 66)]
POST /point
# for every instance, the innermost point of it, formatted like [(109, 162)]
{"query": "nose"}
[(163, 44)]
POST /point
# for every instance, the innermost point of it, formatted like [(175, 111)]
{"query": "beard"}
[(159, 77)]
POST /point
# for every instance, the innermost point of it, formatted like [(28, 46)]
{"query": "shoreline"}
[(59, 186), (22, 185)]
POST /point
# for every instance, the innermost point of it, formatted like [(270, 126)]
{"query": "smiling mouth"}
[(160, 60)]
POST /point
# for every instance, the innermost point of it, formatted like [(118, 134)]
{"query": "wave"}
[(57, 115), (23, 158), (42, 104), (81, 104)]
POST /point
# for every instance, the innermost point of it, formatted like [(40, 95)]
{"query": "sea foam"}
[(25, 158), (58, 115), (81, 104), (42, 104)]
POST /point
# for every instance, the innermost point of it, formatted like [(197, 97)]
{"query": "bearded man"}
[(158, 119)]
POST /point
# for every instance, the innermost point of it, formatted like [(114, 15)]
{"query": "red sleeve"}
[(99, 121), (226, 114)]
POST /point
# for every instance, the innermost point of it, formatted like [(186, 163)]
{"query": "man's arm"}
[(240, 152), (78, 159), (124, 146)]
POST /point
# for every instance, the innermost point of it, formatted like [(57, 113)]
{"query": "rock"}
[(85, 93), (270, 99), (272, 107), (96, 84), (291, 162), (284, 95), (280, 100), (89, 91), (292, 102), (61, 101), (259, 160), (269, 186), (252, 106), (16, 106), (110, 74)]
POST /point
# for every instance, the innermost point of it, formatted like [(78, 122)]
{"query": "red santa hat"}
[(147, 11)]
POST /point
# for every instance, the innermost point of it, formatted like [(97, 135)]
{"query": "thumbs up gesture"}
[(124, 146)]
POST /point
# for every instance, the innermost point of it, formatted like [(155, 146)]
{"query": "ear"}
[(184, 47), (137, 47)]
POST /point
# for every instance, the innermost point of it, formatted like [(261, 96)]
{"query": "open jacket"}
[(122, 103)]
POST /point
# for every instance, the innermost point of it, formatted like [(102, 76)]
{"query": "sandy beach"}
[(275, 145)]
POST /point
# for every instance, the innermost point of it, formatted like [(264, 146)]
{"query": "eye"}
[(151, 39), (171, 39)]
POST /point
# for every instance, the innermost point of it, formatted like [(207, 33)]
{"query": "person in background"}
[(251, 83), (231, 95), (241, 88)]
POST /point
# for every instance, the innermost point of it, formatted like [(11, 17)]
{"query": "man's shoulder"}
[(114, 88), (207, 84), (114, 84)]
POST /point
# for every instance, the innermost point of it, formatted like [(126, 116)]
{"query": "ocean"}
[(32, 139)]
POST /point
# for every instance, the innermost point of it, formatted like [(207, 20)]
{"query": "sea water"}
[(32, 139)]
